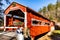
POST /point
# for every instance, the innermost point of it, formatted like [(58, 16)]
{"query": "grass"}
[(56, 31)]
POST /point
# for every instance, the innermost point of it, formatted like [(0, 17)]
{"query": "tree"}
[(58, 4), (51, 17), (1, 10), (57, 13), (52, 11), (44, 9), (1, 4), (7, 1), (50, 7), (40, 10)]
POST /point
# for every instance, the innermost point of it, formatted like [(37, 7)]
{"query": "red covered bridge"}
[(30, 19)]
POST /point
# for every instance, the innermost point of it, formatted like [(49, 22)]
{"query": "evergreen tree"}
[(44, 9), (50, 7), (2, 10)]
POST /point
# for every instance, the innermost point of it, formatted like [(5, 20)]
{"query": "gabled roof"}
[(11, 4)]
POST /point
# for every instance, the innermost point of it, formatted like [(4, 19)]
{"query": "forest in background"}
[(52, 12), (2, 10)]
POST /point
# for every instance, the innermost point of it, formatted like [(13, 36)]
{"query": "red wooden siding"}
[(36, 30)]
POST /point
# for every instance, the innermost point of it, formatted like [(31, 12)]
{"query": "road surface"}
[(8, 36)]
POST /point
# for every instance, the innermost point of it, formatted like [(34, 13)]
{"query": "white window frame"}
[(38, 24), (34, 24)]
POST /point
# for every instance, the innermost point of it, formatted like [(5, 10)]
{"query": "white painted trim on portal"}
[(4, 20), (14, 8), (25, 19)]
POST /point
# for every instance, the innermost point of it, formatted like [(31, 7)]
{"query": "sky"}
[(33, 4)]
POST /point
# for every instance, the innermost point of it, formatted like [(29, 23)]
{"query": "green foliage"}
[(58, 20), (51, 18), (44, 9), (58, 4), (52, 10), (55, 33), (20, 23), (1, 11), (50, 7), (40, 10), (1, 22)]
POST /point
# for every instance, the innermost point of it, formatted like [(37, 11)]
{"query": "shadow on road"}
[(37, 37), (55, 37)]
